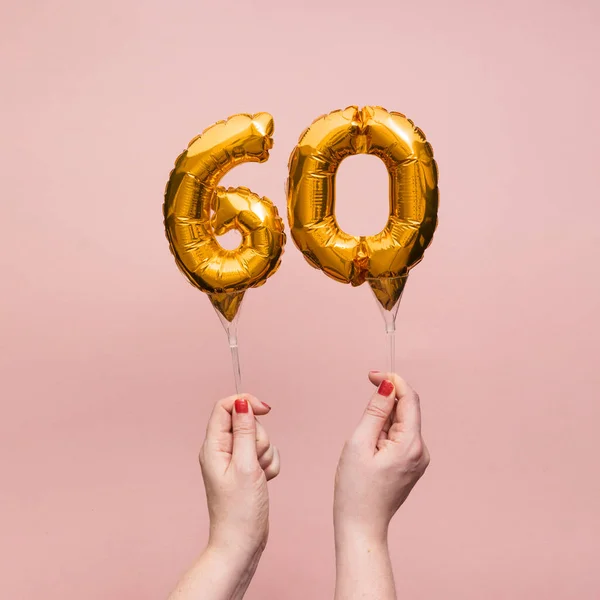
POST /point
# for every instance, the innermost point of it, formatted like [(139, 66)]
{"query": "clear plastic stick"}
[(231, 328), (390, 332), (235, 356), (384, 288)]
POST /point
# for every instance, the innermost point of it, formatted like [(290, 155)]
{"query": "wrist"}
[(356, 534), (235, 551), (238, 561)]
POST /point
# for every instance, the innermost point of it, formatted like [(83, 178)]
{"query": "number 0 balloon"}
[(384, 259)]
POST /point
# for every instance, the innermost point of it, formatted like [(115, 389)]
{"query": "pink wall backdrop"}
[(110, 360)]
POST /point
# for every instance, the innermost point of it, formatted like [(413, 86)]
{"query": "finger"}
[(386, 427), (219, 427), (408, 411), (243, 425), (272, 470), (376, 414), (390, 420), (400, 385), (267, 458), (262, 440)]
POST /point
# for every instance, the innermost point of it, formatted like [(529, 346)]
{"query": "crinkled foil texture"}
[(383, 259), (197, 210)]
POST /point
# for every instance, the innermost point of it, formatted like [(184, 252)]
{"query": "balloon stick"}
[(231, 329), (388, 293)]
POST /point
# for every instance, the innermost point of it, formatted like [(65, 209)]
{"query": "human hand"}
[(381, 462), (237, 459)]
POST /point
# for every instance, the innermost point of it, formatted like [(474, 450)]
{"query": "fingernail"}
[(386, 387), (241, 406), (374, 371), (265, 404)]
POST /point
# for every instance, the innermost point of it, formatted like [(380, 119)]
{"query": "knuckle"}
[(425, 461), (375, 410), (246, 468), (415, 450), (267, 457), (263, 447), (272, 471), (243, 428)]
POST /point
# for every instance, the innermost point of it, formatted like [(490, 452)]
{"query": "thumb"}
[(244, 434), (376, 414)]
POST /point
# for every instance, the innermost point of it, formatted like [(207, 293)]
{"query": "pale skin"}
[(236, 459), (380, 463)]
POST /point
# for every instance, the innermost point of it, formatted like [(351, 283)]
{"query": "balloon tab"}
[(230, 325), (388, 291), (227, 304), (388, 294)]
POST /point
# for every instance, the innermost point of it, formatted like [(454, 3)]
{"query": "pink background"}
[(111, 361)]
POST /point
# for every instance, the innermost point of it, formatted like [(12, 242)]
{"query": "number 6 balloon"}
[(383, 260), (196, 211)]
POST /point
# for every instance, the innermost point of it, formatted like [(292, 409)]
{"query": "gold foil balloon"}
[(383, 259), (197, 210)]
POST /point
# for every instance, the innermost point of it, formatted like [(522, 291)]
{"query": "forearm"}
[(217, 575), (363, 567)]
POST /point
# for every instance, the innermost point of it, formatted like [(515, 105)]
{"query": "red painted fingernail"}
[(386, 387), (265, 404), (241, 406)]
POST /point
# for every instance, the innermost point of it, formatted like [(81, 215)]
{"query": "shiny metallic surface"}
[(389, 255), (197, 210)]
